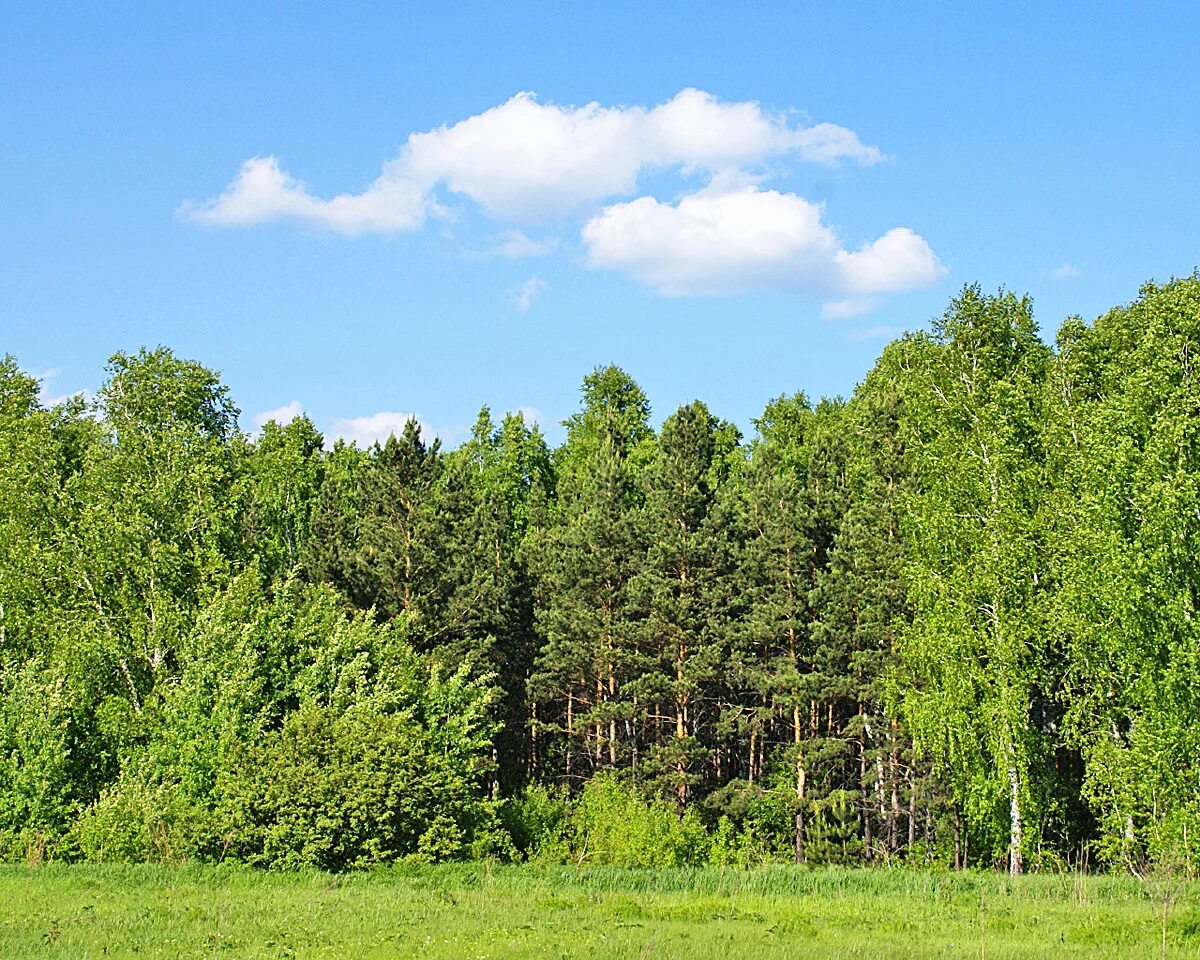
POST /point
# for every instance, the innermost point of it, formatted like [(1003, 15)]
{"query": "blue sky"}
[(760, 197)]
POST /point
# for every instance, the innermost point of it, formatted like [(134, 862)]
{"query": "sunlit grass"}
[(475, 911)]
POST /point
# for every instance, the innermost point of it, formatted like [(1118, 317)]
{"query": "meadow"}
[(481, 911)]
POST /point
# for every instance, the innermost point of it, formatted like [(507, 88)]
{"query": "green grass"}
[(529, 911)]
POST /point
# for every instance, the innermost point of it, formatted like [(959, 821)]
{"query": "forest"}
[(949, 620)]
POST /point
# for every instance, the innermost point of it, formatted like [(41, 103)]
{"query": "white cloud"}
[(530, 161), (525, 161), (727, 241), (695, 129), (1066, 271), (377, 427), (532, 415), (281, 415), (521, 296), (43, 377), (873, 333), (263, 192), (899, 260), (48, 399), (515, 245), (844, 309)]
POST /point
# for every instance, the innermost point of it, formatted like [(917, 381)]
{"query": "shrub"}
[(537, 823), (345, 791), (754, 824), (35, 762), (135, 821), (611, 823)]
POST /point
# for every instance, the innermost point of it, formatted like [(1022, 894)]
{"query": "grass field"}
[(473, 912)]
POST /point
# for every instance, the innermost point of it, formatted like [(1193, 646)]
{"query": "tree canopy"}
[(950, 618)]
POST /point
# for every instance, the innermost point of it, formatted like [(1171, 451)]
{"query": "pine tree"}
[(681, 582), (862, 603), (792, 486), (585, 561), (497, 471)]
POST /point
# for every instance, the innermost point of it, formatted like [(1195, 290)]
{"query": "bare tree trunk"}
[(681, 724), (862, 783), (633, 734), (612, 723), (881, 808), (1016, 862), (570, 729), (533, 741), (912, 810), (137, 704), (894, 812), (801, 782), (957, 842)]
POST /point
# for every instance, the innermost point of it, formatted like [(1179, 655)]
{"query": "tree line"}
[(950, 619)]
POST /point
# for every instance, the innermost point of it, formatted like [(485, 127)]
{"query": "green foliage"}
[(318, 739), (137, 821), (537, 822), (613, 824), (834, 829), (36, 782), (585, 555), (1125, 401), (976, 655), (754, 825), (350, 790), (950, 620), (280, 477)]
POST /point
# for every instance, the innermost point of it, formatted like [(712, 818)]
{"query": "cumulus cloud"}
[(528, 161), (521, 296), (899, 260), (525, 162), (533, 416), (262, 192), (282, 415), (695, 129), (721, 241), (1066, 271)]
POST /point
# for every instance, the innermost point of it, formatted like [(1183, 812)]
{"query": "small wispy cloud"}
[(521, 296), (1066, 271), (47, 397), (844, 309), (263, 192), (375, 427), (516, 245), (872, 333)]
